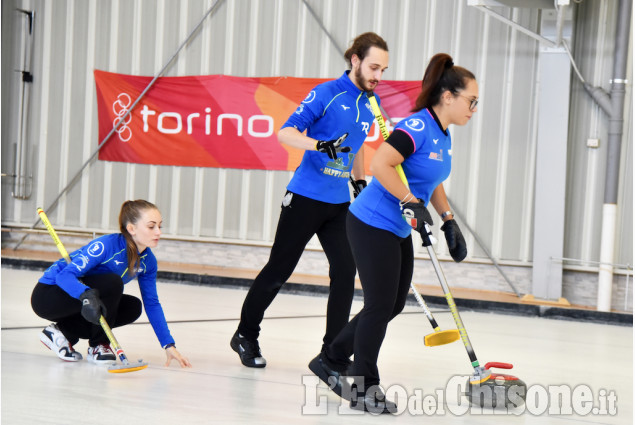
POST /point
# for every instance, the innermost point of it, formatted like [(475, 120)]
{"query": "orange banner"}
[(216, 120)]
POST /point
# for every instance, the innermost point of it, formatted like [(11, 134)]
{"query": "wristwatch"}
[(447, 213)]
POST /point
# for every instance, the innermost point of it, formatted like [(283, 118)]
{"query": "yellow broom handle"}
[(53, 234), (384, 132)]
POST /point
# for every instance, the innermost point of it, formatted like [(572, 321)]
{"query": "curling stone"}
[(496, 390)]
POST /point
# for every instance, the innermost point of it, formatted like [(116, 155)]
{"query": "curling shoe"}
[(332, 378), (374, 401), (55, 340), (101, 354), (248, 350)]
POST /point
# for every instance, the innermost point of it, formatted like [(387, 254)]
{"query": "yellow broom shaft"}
[(378, 116), (113, 341), (384, 132), (53, 234)]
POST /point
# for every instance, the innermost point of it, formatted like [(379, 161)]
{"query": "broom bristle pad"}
[(127, 367), (441, 338)]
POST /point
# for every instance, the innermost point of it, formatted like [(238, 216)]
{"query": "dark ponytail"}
[(441, 75), (362, 44), (130, 214)]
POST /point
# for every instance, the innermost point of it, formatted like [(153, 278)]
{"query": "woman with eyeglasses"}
[(379, 229)]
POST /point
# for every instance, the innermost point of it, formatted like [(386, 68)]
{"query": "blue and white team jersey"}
[(426, 168), (330, 110), (104, 255)]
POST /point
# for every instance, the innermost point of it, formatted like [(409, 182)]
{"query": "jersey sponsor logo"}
[(435, 141), (436, 156), (365, 127), (415, 124), (309, 97), (118, 262), (95, 249), (336, 168), (345, 107), (300, 109), (80, 262)]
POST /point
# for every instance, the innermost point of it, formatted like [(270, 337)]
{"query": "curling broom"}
[(439, 337)]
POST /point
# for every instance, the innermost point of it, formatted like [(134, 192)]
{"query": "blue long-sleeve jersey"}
[(107, 254), (330, 110), (426, 168)]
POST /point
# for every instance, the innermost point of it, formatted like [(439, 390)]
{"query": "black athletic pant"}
[(52, 303), (384, 262), (298, 222)]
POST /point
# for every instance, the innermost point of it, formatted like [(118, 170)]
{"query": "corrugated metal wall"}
[(594, 43), (493, 172)]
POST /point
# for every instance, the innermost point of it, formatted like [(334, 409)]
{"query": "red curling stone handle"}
[(499, 365)]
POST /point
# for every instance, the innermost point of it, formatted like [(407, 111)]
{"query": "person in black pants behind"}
[(336, 116)]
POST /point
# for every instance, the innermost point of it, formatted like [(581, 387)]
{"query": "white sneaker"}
[(101, 354), (55, 340)]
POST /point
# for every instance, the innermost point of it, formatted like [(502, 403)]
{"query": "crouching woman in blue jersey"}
[(379, 236), (75, 295)]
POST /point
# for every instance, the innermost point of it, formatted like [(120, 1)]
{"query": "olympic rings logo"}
[(120, 108)]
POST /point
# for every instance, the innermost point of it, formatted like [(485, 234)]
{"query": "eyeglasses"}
[(473, 102)]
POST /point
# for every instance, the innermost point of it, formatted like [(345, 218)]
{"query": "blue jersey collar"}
[(347, 84)]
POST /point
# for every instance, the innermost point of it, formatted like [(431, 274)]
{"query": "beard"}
[(366, 85)]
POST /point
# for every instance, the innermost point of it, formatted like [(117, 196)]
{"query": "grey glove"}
[(92, 307), (332, 147), (416, 213)]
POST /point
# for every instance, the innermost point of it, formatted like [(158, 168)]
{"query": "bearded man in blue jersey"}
[(331, 125)]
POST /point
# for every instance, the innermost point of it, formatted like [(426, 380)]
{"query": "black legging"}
[(52, 303), (385, 263), (298, 222)]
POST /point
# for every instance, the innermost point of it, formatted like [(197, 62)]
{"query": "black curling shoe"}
[(374, 401), (248, 350), (330, 377)]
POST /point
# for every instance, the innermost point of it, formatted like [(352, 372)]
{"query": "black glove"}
[(92, 307), (358, 186), (455, 240), (416, 213), (332, 147)]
